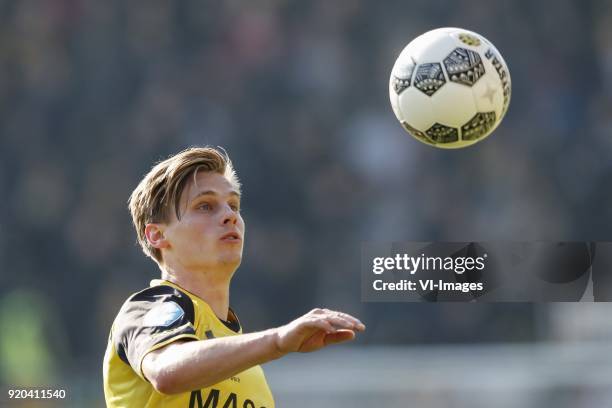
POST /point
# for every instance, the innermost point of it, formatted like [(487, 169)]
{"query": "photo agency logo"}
[(413, 264), (486, 271)]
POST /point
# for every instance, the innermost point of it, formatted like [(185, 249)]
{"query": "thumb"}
[(339, 337)]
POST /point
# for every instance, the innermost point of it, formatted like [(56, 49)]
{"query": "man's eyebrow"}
[(214, 193)]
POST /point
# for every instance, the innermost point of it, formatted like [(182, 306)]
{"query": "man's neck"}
[(207, 286)]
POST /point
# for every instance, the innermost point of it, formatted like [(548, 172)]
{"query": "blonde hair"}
[(160, 190)]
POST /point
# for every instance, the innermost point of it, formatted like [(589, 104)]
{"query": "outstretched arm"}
[(185, 366)]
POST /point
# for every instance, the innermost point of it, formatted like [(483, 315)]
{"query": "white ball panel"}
[(453, 104), (488, 92), (501, 58), (394, 101), (432, 46), (415, 108), (456, 32), (404, 66), (496, 74)]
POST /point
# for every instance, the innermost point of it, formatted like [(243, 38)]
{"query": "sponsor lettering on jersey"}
[(213, 400)]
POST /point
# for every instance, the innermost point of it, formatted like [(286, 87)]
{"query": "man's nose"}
[(229, 216)]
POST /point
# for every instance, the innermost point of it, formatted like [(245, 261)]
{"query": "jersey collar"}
[(232, 323)]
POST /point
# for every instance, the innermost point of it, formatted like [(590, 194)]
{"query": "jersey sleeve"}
[(149, 320)]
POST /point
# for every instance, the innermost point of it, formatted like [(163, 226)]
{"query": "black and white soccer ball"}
[(450, 88)]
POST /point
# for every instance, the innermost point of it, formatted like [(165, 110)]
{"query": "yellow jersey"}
[(156, 317)]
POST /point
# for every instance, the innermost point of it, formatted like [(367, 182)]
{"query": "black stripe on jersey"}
[(233, 323), (233, 326), (132, 337)]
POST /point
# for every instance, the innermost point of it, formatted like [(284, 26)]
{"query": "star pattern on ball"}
[(489, 93)]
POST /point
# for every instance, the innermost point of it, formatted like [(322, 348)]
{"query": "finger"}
[(356, 323), (321, 324), (339, 337), (340, 322)]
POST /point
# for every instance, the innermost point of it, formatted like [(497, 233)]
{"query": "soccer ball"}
[(450, 88)]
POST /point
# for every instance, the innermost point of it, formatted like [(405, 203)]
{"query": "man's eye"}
[(235, 207), (205, 206)]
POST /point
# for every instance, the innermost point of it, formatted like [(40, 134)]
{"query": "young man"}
[(178, 343)]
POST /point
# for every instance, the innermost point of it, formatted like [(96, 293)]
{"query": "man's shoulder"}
[(149, 317), (154, 297), (156, 293)]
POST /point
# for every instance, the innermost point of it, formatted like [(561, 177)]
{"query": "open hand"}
[(317, 329)]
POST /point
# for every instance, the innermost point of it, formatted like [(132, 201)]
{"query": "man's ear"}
[(155, 236)]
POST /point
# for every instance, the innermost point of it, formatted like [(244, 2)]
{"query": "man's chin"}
[(229, 260)]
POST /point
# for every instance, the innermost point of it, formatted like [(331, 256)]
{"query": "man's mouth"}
[(231, 236)]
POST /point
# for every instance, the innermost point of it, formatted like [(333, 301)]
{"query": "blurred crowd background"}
[(93, 93)]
